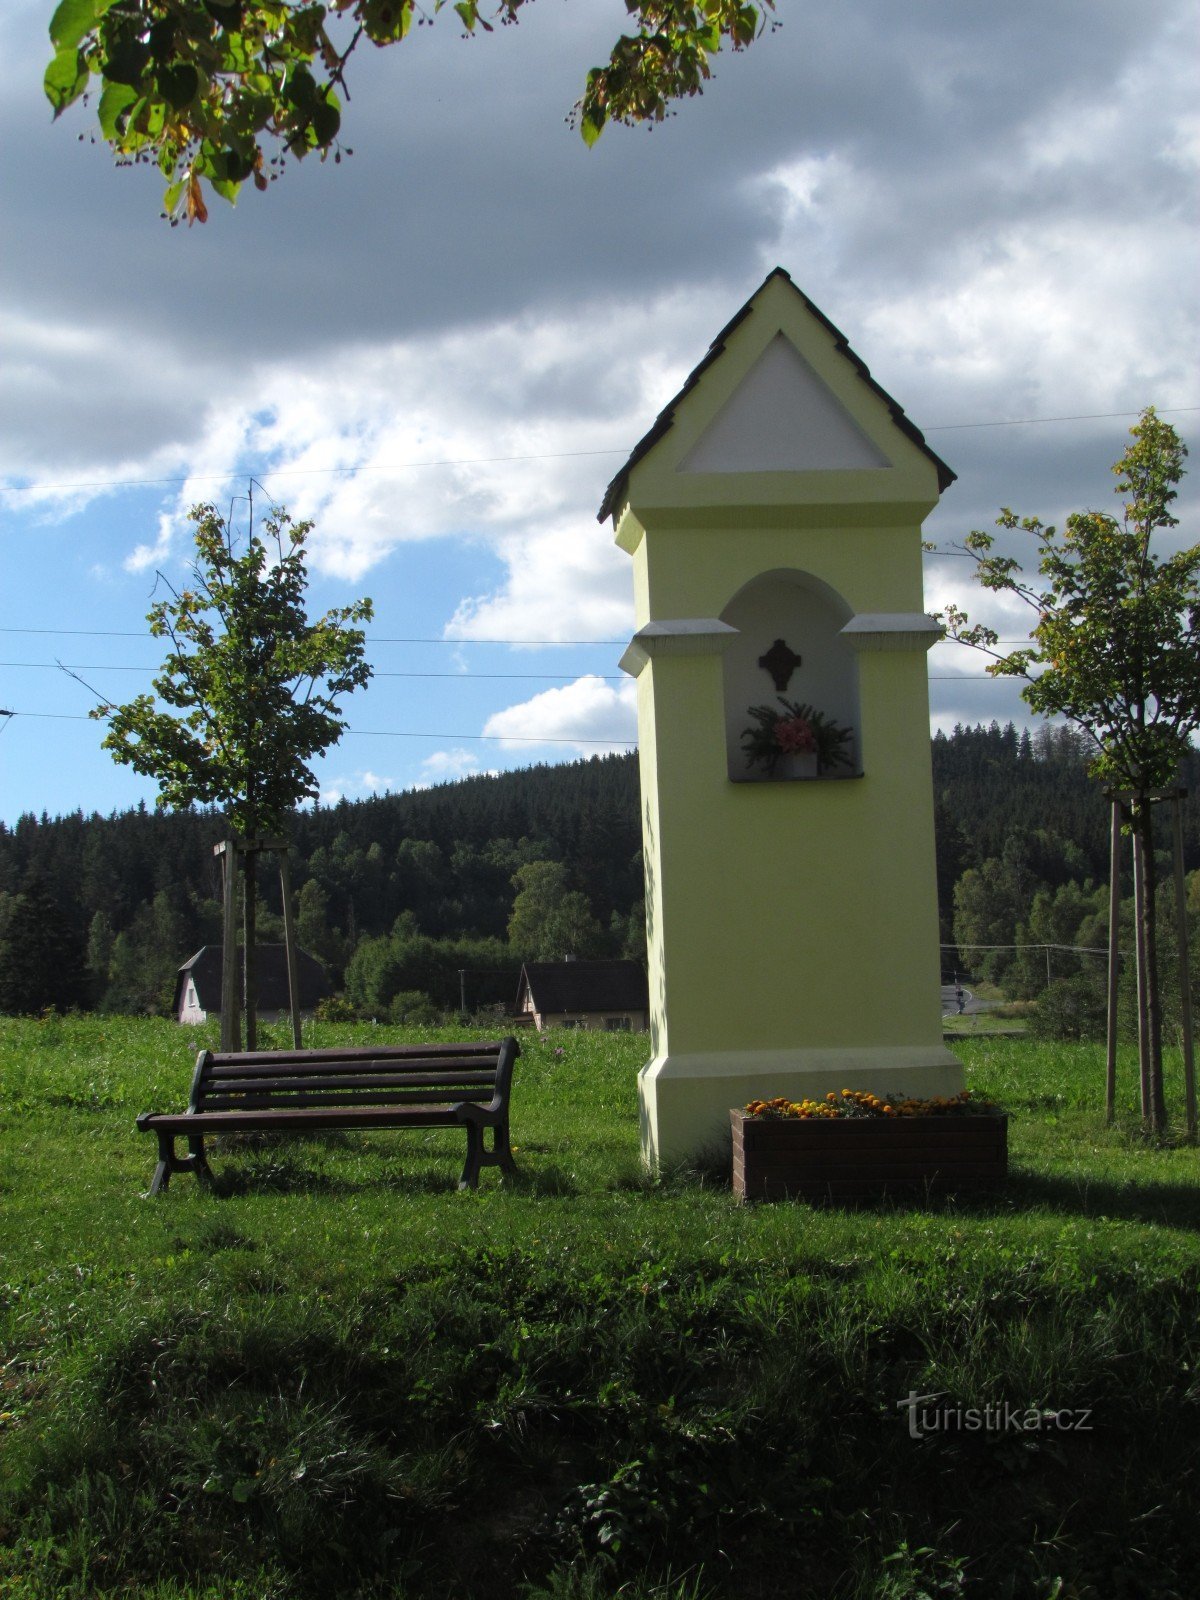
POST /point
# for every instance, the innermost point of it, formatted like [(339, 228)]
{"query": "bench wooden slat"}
[(229, 1085), (293, 1117), (252, 1069), (363, 1097), (358, 1053), (452, 1085)]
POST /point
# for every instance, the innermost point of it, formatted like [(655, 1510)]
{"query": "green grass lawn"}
[(338, 1375)]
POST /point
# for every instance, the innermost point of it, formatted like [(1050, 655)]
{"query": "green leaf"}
[(172, 195), (227, 12), (226, 188), (178, 84), (117, 97), (74, 18), (65, 80), (591, 126), (127, 62), (326, 120)]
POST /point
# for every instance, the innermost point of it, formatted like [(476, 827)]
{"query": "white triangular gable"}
[(782, 418)]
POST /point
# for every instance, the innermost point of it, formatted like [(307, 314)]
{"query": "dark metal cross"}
[(780, 662)]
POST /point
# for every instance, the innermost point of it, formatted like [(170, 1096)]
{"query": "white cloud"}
[(355, 786), (443, 766), (563, 582), (143, 556), (495, 436), (581, 713)]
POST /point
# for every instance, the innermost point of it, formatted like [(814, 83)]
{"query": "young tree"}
[(199, 86), (1115, 648), (549, 920), (250, 689)]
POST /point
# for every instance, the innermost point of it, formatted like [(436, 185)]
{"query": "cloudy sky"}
[(443, 348)]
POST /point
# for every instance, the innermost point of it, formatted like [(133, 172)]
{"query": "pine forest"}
[(424, 903)]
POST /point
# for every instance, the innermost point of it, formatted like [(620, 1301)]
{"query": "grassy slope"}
[(338, 1372)]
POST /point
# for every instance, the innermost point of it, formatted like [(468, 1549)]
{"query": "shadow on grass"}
[(277, 1179), (1175, 1204), (550, 1181), (286, 1177)]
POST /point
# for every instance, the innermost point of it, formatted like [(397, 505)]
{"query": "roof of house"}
[(615, 493), (204, 969), (563, 986)]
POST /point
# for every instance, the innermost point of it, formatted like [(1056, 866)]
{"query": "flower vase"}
[(797, 764)]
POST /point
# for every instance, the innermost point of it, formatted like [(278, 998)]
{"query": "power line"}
[(454, 677), (375, 638), (462, 677), (472, 677), (396, 733), (499, 738), (371, 638), (1027, 422), (546, 455), (54, 716)]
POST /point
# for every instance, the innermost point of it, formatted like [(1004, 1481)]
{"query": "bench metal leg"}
[(478, 1155), (162, 1172), (168, 1162), (470, 1171), (503, 1150), (198, 1162)]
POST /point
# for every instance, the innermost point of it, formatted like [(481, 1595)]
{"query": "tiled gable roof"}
[(614, 495), (566, 986)]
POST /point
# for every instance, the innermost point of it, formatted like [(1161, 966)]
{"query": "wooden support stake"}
[(1185, 974), (250, 947), (1114, 919), (289, 940), (1143, 977), (230, 1024)]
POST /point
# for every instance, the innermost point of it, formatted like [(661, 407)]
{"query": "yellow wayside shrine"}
[(773, 514)]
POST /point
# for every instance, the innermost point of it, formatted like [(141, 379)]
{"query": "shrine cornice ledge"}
[(684, 636), (892, 631)]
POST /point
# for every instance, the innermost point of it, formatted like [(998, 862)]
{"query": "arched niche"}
[(808, 616)]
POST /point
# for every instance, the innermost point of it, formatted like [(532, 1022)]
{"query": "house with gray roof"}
[(607, 996), (198, 984)]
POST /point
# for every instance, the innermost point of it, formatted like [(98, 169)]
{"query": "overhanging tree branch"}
[(204, 88)]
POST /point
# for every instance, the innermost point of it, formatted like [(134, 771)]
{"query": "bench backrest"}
[(424, 1074)]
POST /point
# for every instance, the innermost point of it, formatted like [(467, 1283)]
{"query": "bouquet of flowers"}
[(796, 728)]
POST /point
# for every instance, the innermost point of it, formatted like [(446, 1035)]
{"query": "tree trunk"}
[(231, 1028), (289, 944), (1185, 967), (1114, 961), (1139, 940), (1156, 1107), (249, 953)]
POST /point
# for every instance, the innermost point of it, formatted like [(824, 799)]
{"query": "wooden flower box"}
[(849, 1158)]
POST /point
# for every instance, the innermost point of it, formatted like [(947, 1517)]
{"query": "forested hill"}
[(137, 892)]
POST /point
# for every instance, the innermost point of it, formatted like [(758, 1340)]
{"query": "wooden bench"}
[(297, 1091)]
